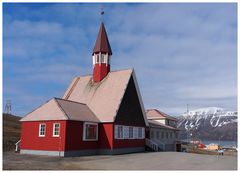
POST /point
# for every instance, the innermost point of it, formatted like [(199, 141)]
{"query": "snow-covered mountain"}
[(209, 123)]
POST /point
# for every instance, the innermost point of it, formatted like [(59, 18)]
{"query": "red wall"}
[(106, 133), (100, 71), (31, 141), (74, 137), (71, 133)]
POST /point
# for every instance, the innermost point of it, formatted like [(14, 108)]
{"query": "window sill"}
[(90, 139)]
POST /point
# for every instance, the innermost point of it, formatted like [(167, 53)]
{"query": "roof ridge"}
[(160, 112), (61, 108), (69, 100), (73, 86)]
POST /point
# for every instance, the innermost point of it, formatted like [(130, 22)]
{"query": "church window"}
[(118, 132), (90, 132), (42, 129), (56, 129)]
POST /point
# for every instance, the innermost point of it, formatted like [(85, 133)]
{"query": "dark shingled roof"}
[(102, 44)]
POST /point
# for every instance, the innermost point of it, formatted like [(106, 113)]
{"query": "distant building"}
[(101, 113), (163, 130), (213, 146)]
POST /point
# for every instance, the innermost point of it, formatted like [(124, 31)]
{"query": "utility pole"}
[(188, 128), (8, 107)]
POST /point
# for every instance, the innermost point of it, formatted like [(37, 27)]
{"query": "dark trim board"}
[(83, 152)]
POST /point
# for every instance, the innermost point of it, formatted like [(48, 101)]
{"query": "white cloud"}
[(182, 53)]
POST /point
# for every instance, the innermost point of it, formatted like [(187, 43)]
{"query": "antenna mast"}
[(8, 107)]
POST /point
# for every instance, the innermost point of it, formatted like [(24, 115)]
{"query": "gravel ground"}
[(136, 161)]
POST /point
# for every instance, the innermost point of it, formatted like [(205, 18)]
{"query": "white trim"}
[(53, 134), (143, 132), (107, 57), (125, 132), (135, 132), (116, 132), (131, 137), (39, 130), (84, 130), (100, 58), (93, 59)]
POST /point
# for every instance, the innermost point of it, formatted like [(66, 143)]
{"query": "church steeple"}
[(101, 55), (102, 44)]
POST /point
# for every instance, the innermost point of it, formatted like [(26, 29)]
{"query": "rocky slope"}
[(11, 131), (210, 123)]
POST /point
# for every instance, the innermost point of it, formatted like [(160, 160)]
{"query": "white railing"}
[(151, 144), (17, 145), (162, 147)]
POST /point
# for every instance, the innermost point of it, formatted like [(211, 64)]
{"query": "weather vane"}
[(102, 13)]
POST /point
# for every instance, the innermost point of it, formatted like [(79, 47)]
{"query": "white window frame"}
[(135, 132), (126, 132), (39, 130), (143, 133), (54, 128), (131, 137), (84, 131), (139, 132), (116, 136)]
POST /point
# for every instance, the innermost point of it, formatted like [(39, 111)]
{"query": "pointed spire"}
[(102, 44)]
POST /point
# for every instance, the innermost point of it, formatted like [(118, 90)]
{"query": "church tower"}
[(101, 55)]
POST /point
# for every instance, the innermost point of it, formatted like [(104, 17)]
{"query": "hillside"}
[(209, 123), (11, 131)]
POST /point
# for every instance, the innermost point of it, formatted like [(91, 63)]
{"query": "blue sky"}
[(182, 53)]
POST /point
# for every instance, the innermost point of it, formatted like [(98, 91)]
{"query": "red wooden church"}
[(101, 113)]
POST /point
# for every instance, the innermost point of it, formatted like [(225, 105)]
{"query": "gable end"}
[(130, 109)]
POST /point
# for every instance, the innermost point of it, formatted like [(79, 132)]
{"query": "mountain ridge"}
[(210, 123)]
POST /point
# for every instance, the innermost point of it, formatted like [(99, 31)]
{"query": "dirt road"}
[(137, 161)]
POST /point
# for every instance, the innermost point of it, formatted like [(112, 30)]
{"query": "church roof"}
[(60, 109), (102, 44), (85, 100), (156, 114), (105, 97)]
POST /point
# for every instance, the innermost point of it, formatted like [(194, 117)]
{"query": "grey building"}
[(162, 130)]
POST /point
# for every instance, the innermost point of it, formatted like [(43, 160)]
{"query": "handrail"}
[(17, 145), (151, 144), (163, 145)]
